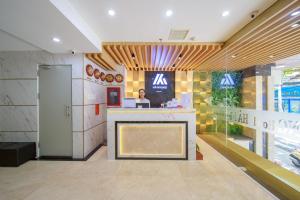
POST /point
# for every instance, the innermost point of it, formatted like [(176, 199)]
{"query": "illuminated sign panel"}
[(160, 87), (159, 82), (227, 81)]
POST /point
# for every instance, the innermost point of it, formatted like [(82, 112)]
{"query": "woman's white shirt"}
[(143, 100)]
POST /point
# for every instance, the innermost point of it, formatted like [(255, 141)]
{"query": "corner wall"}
[(94, 126), (18, 94)]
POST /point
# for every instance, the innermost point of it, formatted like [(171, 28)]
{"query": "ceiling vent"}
[(178, 34)]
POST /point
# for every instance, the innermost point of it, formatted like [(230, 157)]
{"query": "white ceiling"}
[(145, 20), (83, 24), (38, 21)]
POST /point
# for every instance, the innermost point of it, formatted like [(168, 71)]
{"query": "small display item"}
[(102, 76), (89, 70), (119, 78), (109, 78), (97, 73)]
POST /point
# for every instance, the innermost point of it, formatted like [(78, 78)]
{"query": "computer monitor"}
[(142, 105)]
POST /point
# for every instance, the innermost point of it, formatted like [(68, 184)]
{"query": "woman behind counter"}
[(142, 98)]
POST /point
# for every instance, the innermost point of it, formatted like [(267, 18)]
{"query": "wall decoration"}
[(96, 73), (226, 91), (97, 109), (89, 70), (113, 97), (119, 78), (102, 76), (226, 88), (109, 78)]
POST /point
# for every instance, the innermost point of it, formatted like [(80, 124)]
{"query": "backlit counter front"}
[(155, 133)]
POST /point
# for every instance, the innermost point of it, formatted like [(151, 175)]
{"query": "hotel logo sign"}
[(227, 81), (159, 82)]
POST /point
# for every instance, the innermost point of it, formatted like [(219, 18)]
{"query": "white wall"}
[(94, 126), (18, 99)]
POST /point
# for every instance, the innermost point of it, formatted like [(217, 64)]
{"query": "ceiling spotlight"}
[(136, 65), (295, 13), (271, 56), (169, 13), (111, 12), (295, 25), (225, 13), (180, 56), (133, 56), (56, 39), (173, 65), (233, 56)]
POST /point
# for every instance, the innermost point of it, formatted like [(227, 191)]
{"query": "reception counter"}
[(156, 133)]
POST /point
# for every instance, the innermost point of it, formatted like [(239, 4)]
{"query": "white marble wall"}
[(18, 95), (94, 126)]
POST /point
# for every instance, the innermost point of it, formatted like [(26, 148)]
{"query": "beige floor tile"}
[(98, 178)]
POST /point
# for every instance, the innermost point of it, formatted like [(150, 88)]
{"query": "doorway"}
[(55, 111)]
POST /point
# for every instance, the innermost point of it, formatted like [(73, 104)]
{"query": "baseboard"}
[(69, 158), (92, 152)]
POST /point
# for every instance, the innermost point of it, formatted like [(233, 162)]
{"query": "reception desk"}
[(156, 133)]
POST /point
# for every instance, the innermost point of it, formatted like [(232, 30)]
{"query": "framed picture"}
[(96, 73), (113, 97), (119, 78), (89, 70), (109, 78)]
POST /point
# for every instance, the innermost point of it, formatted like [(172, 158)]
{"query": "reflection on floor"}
[(212, 178)]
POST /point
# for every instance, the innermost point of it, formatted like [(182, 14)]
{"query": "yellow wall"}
[(202, 96)]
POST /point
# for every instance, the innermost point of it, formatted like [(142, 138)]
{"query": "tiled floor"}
[(98, 178)]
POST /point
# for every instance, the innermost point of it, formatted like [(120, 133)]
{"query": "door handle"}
[(68, 111)]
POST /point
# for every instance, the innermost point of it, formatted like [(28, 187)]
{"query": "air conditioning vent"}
[(178, 34)]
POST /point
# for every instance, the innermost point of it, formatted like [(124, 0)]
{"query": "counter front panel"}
[(151, 140), (154, 133)]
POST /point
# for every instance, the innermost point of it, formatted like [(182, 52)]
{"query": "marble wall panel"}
[(91, 119), (93, 138), (22, 65), (18, 118), (78, 145), (94, 93), (18, 136), (77, 91), (77, 118), (18, 92)]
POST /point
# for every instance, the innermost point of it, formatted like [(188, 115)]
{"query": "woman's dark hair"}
[(140, 91)]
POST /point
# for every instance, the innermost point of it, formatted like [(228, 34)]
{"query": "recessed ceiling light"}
[(169, 13), (111, 12), (233, 56), (295, 13), (56, 39), (271, 56), (225, 13)]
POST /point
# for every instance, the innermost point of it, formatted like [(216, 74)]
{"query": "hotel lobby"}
[(137, 99)]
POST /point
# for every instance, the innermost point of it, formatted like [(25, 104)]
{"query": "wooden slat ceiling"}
[(102, 59), (160, 56), (268, 38), (271, 40)]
